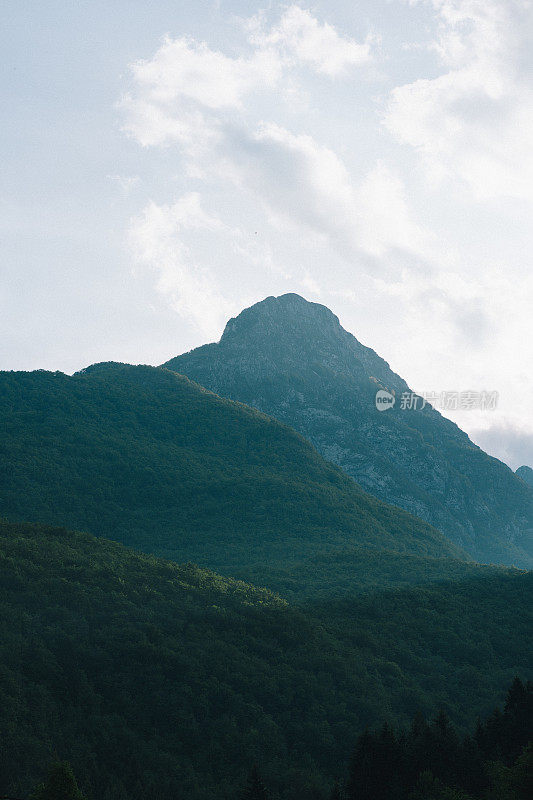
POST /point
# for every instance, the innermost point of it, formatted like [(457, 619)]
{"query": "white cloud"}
[(152, 124), (474, 122), (301, 183), (299, 37), (183, 68), (156, 239), (512, 443), (181, 93), (306, 189), (192, 96), (188, 214), (386, 220)]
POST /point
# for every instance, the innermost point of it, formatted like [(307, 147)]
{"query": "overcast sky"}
[(165, 164)]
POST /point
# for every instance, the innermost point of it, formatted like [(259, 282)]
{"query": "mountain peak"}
[(289, 312), (526, 473), (293, 360)]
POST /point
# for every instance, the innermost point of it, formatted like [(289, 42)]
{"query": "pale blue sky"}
[(373, 156)]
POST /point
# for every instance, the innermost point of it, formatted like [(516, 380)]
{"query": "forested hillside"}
[(167, 681), (146, 457)]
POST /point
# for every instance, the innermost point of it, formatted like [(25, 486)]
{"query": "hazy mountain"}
[(159, 680), (293, 360), (526, 473), (146, 457)]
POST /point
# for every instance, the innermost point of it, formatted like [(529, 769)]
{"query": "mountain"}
[(526, 473), (159, 680), (293, 360), (146, 457)]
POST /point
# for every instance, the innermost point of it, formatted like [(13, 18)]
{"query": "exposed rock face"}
[(293, 360)]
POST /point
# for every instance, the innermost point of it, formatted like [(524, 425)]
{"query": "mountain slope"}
[(159, 680), (526, 473), (146, 457), (292, 359)]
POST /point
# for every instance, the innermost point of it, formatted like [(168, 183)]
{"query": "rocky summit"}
[(293, 360)]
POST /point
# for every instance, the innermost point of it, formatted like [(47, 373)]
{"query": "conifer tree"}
[(60, 784), (522, 774), (255, 788), (518, 717), (376, 766), (335, 792), (362, 768)]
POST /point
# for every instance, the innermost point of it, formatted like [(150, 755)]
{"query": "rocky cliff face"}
[(293, 360)]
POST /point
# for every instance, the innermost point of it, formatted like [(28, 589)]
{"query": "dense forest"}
[(167, 681), (146, 457), (427, 761), (432, 761), (139, 674)]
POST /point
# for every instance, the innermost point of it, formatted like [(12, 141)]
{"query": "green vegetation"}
[(433, 762), (146, 457), (167, 681), (60, 784)]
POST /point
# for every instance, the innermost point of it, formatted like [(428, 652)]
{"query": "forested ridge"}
[(159, 680), (145, 456), (141, 674)]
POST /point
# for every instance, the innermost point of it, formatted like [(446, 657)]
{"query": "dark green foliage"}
[(433, 762), (293, 360), (144, 456), (60, 784), (255, 788), (430, 788), (375, 768), (159, 680), (521, 778), (336, 793), (505, 733)]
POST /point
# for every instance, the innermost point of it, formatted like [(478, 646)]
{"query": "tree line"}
[(431, 761)]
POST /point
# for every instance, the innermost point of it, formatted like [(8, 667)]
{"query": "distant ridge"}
[(526, 473)]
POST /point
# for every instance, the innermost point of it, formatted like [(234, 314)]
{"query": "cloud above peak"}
[(181, 92), (474, 122), (158, 241), (202, 101), (183, 69), (300, 38)]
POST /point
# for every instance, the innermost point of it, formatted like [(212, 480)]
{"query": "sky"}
[(166, 164)]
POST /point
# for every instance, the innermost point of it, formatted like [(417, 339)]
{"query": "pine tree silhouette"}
[(335, 792), (60, 784), (255, 788)]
